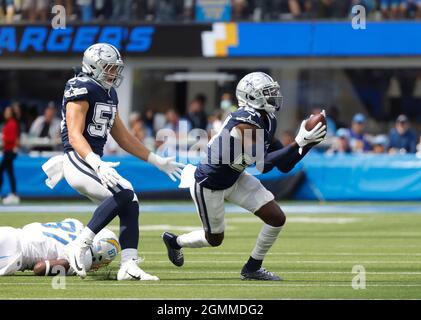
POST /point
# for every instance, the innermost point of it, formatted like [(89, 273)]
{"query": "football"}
[(314, 120), (46, 267)]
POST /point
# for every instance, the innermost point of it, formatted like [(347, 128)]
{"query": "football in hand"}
[(51, 267), (314, 120)]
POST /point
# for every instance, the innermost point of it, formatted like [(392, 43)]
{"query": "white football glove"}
[(105, 170), (172, 168), (304, 137)]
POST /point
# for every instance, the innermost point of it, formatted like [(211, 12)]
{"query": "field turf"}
[(315, 255)]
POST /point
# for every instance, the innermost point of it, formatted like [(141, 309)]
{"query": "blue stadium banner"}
[(219, 39), (312, 39), (133, 40), (213, 10)]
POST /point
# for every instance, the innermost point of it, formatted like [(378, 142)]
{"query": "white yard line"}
[(297, 261), (206, 253), (166, 284)]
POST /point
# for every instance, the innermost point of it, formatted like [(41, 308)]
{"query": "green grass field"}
[(315, 255)]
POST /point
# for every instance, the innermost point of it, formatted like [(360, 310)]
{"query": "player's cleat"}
[(75, 255), (261, 274), (131, 271), (11, 199), (175, 255)]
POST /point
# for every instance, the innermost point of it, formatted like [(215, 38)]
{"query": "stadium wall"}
[(337, 177)]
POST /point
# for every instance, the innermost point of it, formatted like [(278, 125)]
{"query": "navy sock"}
[(108, 209), (253, 264), (129, 226)]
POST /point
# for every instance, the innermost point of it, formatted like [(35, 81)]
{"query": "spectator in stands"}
[(17, 111), (196, 114), (35, 10), (9, 8), (68, 4), (174, 122), (380, 143), (239, 10), (419, 147), (167, 10), (214, 123), (227, 106), (358, 139), (139, 131), (341, 143), (122, 10), (10, 137), (149, 118), (133, 117), (333, 8), (369, 5), (86, 9), (403, 139), (334, 118), (393, 8), (46, 126), (418, 9)]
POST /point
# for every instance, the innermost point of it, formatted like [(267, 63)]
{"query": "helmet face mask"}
[(103, 62), (111, 74), (259, 91), (273, 97)]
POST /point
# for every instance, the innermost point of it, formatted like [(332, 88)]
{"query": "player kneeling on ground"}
[(223, 177), (41, 247)]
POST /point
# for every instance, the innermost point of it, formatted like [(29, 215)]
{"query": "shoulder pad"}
[(247, 115), (77, 88)]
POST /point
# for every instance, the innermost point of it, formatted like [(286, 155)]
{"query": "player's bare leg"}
[(274, 219)]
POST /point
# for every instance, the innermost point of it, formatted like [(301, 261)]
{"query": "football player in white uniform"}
[(90, 113), (223, 177), (22, 248)]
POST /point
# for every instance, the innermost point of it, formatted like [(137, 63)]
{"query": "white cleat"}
[(131, 271), (75, 255), (11, 199)]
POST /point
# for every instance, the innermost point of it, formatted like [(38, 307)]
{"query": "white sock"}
[(194, 239), (85, 237), (265, 240), (128, 254)]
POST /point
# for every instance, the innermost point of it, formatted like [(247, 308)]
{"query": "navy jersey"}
[(217, 174), (101, 113)]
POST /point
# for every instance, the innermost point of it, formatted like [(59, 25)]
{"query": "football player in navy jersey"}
[(90, 113), (223, 176)]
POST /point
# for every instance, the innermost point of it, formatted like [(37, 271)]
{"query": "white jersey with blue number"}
[(46, 241)]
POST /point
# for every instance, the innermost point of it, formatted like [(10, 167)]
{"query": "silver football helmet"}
[(103, 62), (104, 249), (259, 91)]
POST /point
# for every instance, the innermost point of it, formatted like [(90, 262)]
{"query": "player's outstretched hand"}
[(168, 165), (105, 170), (315, 135)]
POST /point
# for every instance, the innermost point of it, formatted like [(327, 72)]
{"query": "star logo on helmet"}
[(99, 51)]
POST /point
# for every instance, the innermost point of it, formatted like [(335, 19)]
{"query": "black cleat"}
[(262, 274), (175, 255)]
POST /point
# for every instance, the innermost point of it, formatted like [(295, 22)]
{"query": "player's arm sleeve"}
[(284, 158)]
